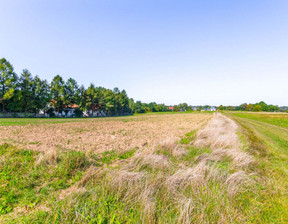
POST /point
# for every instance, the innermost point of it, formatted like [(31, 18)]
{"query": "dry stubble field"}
[(104, 134)]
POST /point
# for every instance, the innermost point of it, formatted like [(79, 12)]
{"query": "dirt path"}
[(220, 135)]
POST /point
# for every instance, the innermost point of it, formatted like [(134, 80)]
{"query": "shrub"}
[(257, 108)]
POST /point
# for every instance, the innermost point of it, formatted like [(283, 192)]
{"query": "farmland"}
[(100, 135), (154, 168)]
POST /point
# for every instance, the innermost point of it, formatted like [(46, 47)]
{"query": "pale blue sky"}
[(199, 52)]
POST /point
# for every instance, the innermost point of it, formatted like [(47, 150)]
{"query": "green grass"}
[(23, 182), (194, 152), (277, 119), (26, 185), (110, 156), (189, 137), (268, 143), (27, 121)]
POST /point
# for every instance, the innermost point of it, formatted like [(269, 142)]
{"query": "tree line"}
[(30, 94), (257, 107)]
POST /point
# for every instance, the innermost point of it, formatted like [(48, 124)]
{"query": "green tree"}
[(110, 102), (71, 91), (243, 106), (257, 108), (183, 106), (82, 98), (152, 106), (58, 93), (8, 79), (26, 92), (124, 102), (273, 108), (263, 105), (221, 107), (71, 94), (139, 108), (162, 108), (42, 94), (230, 108), (118, 104), (249, 107), (131, 105), (91, 98)]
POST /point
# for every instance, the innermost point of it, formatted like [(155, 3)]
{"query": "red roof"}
[(74, 105)]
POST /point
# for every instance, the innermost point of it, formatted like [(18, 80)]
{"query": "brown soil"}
[(105, 134)]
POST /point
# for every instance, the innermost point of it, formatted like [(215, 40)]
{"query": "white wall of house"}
[(90, 113), (70, 113)]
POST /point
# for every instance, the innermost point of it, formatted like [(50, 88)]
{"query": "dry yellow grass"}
[(99, 135), (221, 136), (219, 133), (146, 174)]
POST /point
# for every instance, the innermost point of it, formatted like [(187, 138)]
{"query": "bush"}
[(257, 108)]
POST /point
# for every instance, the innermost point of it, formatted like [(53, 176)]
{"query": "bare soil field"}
[(105, 134)]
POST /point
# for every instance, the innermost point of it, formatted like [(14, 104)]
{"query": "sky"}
[(165, 51)]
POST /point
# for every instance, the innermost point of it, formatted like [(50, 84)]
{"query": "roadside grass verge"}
[(277, 119), (269, 145)]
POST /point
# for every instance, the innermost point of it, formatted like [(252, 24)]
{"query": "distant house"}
[(68, 110), (171, 108), (213, 108), (97, 113)]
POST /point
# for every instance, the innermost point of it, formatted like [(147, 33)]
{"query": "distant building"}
[(68, 111), (283, 108), (171, 108), (213, 108), (96, 113)]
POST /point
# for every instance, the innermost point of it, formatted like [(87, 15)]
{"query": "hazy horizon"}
[(202, 53)]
